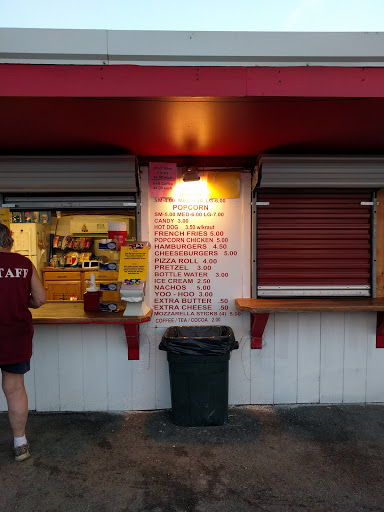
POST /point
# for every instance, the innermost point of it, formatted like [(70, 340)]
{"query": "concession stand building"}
[(250, 166)]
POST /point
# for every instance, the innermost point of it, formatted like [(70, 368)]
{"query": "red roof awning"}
[(201, 113)]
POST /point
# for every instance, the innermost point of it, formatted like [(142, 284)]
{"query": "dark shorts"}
[(16, 368)]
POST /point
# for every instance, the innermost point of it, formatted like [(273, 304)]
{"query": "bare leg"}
[(17, 400)]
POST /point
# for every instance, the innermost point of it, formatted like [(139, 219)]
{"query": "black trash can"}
[(198, 359)]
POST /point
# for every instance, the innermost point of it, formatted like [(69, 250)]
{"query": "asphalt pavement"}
[(296, 458)]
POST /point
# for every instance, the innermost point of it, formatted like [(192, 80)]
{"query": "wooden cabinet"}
[(63, 290), (62, 276), (63, 285), (102, 276), (106, 276)]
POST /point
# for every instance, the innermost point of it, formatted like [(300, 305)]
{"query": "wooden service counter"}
[(72, 312), (261, 308)]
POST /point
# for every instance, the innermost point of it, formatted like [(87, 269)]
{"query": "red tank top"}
[(16, 328)]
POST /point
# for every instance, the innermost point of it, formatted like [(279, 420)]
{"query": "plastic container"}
[(118, 237), (198, 359), (92, 300)]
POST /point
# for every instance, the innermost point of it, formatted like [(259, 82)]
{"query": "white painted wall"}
[(318, 358), (190, 48), (306, 357)]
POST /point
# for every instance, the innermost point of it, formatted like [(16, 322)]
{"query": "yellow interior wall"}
[(225, 185)]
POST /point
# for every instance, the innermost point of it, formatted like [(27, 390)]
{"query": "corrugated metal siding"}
[(73, 201), (58, 174), (313, 239), (321, 171)]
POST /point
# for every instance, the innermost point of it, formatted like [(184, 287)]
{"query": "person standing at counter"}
[(20, 289)]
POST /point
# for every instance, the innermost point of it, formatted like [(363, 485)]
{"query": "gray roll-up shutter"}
[(60, 174), (320, 171), (34, 202)]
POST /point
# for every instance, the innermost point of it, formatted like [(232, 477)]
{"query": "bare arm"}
[(38, 296)]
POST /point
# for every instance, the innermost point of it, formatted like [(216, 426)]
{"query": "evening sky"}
[(236, 15)]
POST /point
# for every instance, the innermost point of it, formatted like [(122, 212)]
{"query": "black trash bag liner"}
[(204, 340)]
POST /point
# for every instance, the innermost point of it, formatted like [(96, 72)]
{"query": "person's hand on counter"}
[(38, 296)]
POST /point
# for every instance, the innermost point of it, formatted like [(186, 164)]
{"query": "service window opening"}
[(61, 236)]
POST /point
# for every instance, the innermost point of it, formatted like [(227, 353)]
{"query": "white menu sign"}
[(196, 261)]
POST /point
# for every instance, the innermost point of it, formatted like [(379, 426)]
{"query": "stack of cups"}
[(117, 231)]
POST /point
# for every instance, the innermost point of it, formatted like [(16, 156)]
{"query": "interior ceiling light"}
[(191, 174)]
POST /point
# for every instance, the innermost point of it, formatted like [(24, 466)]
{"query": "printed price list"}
[(196, 261)]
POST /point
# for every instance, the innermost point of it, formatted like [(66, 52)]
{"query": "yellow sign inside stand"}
[(5, 216), (133, 262)]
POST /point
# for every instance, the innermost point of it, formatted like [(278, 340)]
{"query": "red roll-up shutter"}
[(313, 243)]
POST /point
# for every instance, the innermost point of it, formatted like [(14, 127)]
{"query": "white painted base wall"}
[(306, 358)]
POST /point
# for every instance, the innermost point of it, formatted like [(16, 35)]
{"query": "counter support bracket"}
[(73, 313), (132, 336), (266, 306), (258, 323), (380, 330)]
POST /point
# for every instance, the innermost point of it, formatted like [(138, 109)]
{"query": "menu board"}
[(196, 260), (162, 178)]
